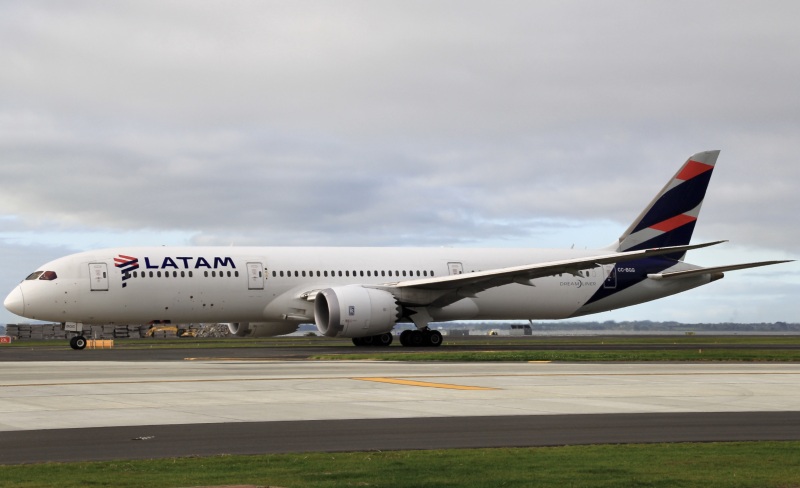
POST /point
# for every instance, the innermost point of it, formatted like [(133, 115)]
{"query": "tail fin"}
[(670, 218)]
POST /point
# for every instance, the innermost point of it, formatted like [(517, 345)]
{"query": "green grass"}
[(777, 355), (743, 464)]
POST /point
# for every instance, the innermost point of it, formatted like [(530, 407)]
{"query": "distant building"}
[(520, 329), (458, 332)]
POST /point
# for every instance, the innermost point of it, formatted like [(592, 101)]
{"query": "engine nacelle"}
[(261, 329), (355, 311)]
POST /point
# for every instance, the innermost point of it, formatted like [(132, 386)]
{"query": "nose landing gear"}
[(77, 342)]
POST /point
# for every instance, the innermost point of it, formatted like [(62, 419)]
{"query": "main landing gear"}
[(409, 338), (77, 342), (421, 338), (381, 340)]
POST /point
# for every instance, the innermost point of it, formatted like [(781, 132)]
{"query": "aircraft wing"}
[(443, 290), (716, 269)]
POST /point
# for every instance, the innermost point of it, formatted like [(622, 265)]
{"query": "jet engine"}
[(261, 329), (355, 311)]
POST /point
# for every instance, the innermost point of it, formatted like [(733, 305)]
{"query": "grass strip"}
[(740, 464), (749, 355)]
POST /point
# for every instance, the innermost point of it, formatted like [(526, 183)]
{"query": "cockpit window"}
[(34, 275), (48, 276)]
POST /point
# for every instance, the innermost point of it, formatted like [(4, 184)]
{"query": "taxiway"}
[(59, 411)]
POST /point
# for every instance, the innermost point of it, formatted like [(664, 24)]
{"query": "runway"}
[(64, 411)]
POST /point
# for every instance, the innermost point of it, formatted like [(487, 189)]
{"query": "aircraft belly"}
[(144, 304), (464, 309), (550, 298), (644, 291)]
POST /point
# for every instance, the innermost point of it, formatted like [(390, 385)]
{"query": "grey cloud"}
[(415, 122)]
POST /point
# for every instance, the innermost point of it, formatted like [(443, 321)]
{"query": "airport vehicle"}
[(178, 331), (361, 293)]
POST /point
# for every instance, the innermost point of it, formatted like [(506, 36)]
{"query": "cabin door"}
[(455, 268), (255, 276), (98, 276)]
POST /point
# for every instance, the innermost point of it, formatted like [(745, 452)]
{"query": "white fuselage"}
[(276, 285)]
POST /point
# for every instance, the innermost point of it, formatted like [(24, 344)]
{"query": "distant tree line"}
[(633, 325)]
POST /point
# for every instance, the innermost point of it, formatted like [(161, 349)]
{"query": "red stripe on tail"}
[(692, 169), (673, 223)]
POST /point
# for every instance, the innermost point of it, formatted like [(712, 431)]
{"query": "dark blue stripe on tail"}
[(677, 201)]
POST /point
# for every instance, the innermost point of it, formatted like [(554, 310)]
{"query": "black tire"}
[(416, 339), (384, 340), (357, 341), (80, 343), (404, 338), (435, 338), (72, 342)]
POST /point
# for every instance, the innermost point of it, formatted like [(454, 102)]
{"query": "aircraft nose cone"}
[(15, 303)]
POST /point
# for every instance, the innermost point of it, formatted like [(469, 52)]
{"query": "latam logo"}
[(188, 262), (127, 264)]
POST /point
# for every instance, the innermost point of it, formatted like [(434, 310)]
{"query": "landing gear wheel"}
[(435, 338), (416, 338), (380, 340), (78, 343), (421, 338), (384, 340)]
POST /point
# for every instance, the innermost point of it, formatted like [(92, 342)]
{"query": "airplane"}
[(364, 292)]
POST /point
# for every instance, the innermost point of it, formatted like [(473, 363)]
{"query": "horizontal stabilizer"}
[(715, 269)]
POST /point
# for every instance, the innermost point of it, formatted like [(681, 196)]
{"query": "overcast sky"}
[(458, 123)]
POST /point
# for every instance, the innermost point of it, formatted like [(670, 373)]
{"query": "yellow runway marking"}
[(236, 359), (391, 380), (425, 384)]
